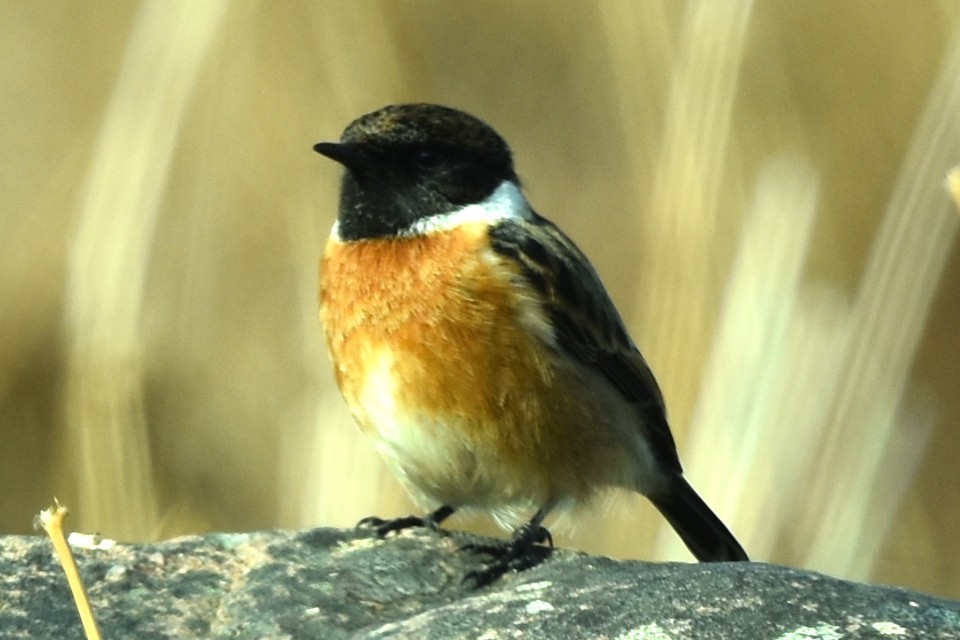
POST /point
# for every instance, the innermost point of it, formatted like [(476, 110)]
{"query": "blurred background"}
[(761, 186)]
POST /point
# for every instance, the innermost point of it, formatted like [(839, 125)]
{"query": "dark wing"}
[(586, 323)]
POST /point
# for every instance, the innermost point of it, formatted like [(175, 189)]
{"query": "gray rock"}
[(328, 583)]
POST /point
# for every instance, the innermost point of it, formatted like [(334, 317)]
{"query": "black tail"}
[(700, 529)]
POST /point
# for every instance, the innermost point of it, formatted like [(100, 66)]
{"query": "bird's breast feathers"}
[(446, 314), (447, 360)]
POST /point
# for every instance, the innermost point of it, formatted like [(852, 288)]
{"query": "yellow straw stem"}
[(52, 522)]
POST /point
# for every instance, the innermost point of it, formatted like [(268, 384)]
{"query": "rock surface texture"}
[(331, 583)]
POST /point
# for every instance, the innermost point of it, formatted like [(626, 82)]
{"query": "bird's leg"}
[(430, 521), (523, 551)]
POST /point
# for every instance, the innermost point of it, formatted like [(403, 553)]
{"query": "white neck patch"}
[(505, 202)]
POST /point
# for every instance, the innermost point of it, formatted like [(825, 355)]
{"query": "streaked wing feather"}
[(584, 318)]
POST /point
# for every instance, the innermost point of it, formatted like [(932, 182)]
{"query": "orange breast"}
[(464, 355), (444, 308)]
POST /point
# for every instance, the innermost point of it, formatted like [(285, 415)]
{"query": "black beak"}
[(349, 155)]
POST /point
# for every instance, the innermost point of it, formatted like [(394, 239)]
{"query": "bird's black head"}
[(408, 162)]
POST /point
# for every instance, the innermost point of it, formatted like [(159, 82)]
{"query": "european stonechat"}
[(476, 345)]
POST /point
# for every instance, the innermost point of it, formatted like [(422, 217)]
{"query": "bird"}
[(477, 347)]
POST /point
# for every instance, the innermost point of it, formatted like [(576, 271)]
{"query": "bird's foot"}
[(383, 527), (523, 551)]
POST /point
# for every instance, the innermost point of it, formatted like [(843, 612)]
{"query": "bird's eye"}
[(428, 158)]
